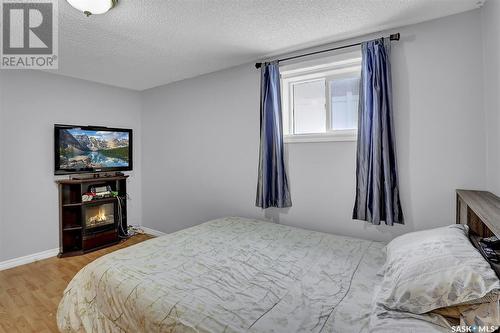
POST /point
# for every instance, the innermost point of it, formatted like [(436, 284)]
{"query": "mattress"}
[(228, 275)]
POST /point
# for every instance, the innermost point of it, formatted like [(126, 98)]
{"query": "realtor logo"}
[(29, 34)]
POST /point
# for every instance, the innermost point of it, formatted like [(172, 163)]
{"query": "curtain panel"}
[(272, 185), (377, 190)]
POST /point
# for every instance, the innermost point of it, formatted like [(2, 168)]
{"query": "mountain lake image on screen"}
[(93, 149)]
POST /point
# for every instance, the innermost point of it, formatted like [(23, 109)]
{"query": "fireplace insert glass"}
[(100, 216)]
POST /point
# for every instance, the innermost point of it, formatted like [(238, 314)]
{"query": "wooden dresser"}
[(480, 210)]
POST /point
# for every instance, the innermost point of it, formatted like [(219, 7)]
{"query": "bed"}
[(231, 275)]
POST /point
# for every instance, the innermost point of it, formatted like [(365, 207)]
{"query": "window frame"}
[(327, 70)]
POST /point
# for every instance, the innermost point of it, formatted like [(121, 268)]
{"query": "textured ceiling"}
[(146, 43)]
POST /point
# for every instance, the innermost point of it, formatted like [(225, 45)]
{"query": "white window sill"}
[(322, 137)]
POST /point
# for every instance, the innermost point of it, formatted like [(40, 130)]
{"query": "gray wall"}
[(200, 142), (31, 103), (490, 16), (2, 234)]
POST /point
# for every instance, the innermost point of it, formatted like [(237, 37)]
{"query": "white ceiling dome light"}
[(91, 7)]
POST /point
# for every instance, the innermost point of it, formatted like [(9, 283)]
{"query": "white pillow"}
[(431, 269)]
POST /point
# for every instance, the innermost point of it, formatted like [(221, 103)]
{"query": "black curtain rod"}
[(395, 36)]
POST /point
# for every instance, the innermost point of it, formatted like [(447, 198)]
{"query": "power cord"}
[(131, 229), (120, 218)]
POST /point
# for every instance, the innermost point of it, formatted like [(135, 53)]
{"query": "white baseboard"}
[(53, 252), (28, 259), (152, 232)]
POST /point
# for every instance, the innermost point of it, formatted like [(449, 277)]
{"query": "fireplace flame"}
[(100, 217)]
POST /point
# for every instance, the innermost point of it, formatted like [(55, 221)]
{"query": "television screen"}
[(81, 149)]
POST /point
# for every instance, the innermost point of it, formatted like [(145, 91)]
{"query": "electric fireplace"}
[(86, 226), (99, 217)]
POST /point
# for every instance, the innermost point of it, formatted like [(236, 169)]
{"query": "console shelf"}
[(72, 204), (76, 235), (93, 202), (72, 228)]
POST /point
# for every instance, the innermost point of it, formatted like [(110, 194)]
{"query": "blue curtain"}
[(272, 185), (377, 191)]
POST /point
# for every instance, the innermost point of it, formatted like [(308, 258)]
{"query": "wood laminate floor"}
[(30, 294)]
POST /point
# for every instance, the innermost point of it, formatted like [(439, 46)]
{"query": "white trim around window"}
[(339, 135)]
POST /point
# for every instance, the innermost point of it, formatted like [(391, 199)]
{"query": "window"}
[(320, 99), (309, 107)]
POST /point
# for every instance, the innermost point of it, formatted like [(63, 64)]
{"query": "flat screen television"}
[(83, 149)]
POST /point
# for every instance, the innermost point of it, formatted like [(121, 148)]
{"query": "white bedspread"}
[(228, 275)]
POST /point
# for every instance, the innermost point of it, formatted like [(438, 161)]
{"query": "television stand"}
[(86, 226)]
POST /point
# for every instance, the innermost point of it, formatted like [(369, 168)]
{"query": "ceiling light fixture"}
[(91, 7)]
